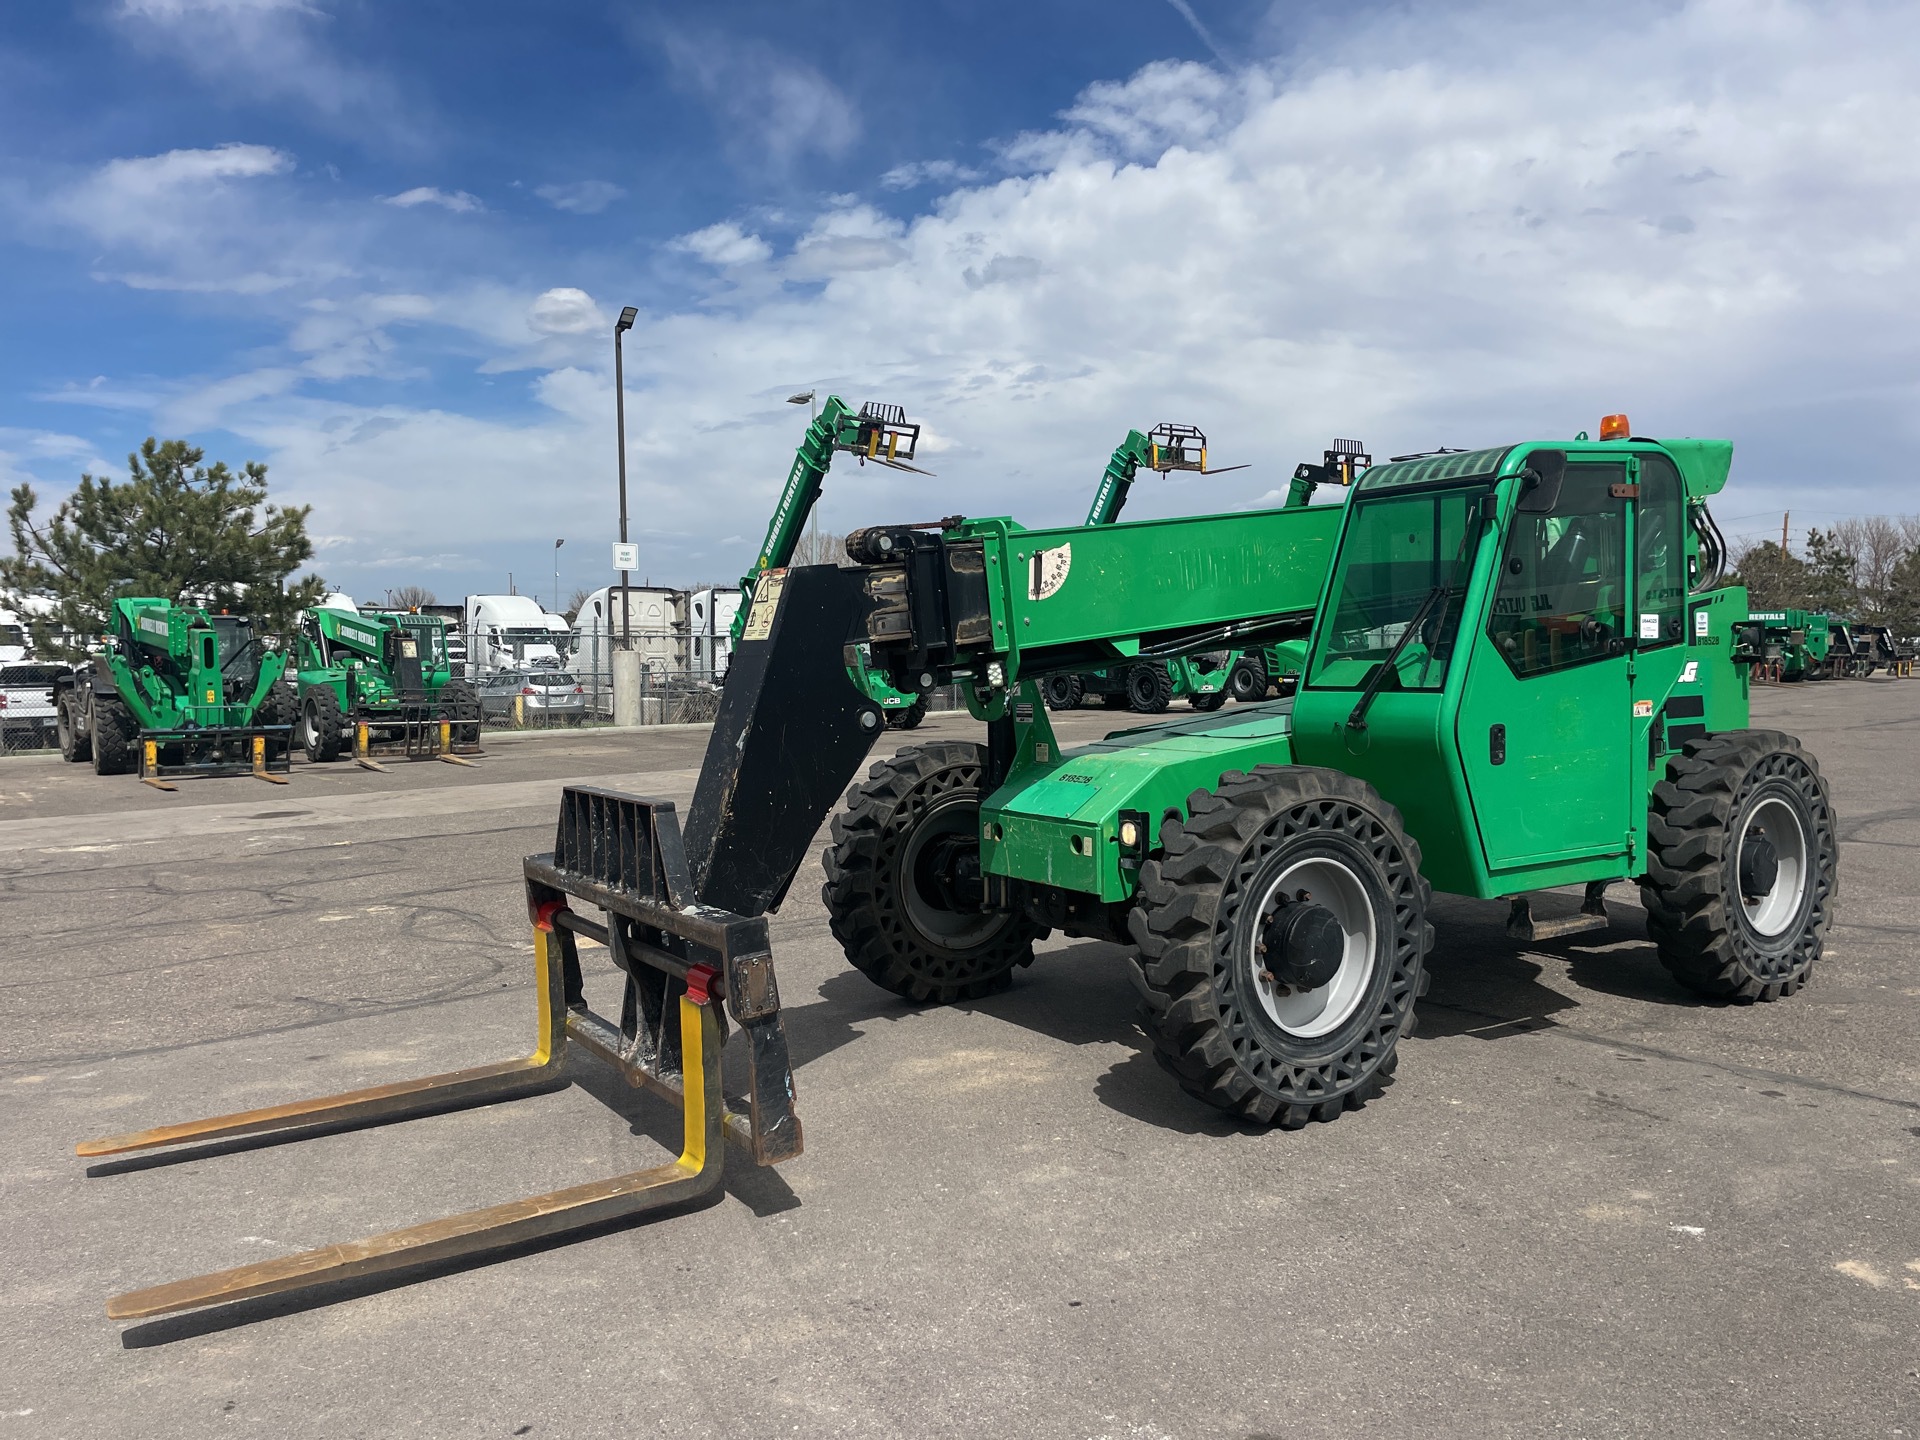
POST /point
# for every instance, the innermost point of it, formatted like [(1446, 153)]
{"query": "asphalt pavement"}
[(1591, 1205)]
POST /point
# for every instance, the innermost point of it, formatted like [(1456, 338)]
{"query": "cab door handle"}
[(1497, 744)]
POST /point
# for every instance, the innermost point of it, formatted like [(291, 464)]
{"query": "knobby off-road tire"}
[(1248, 680), (1742, 870), (320, 724), (279, 706), (1308, 1041), (74, 747), (903, 891), (461, 705), (1208, 702), (1062, 692), (116, 738), (910, 717), (1149, 689)]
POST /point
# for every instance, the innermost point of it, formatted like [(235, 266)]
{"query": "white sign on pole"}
[(626, 557)]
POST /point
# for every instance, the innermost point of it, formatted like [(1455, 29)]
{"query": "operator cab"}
[(1508, 628)]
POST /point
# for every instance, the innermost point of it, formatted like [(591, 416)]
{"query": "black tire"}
[(910, 717), (900, 915), (279, 706), (320, 724), (1063, 692), (116, 738), (1724, 824), (1149, 689), (1248, 680), (1214, 1016), (74, 747), (461, 705), (1208, 702)]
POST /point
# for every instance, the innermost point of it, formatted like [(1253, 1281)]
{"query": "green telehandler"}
[(380, 683), (1524, 671), (880, 433), (176, 691)]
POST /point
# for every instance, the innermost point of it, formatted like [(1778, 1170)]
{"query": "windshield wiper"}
[(1377, 679)]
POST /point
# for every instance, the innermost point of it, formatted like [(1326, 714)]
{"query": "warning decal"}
[(766, 600)]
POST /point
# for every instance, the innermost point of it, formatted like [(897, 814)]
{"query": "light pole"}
[(620, 327), (556, 575), (805, 397)]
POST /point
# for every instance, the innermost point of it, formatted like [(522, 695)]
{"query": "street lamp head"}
[(558, 543), (625, 322), (805, 397)]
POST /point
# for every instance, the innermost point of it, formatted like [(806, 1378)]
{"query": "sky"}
[(381, 247)]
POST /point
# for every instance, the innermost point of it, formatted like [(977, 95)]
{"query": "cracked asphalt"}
[(1591, 1205)]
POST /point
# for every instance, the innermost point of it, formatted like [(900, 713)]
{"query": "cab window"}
[(1562, 598), (1660, 553)]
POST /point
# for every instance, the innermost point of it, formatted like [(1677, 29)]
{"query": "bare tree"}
[(410, 597), (575, 601), (825, 548)]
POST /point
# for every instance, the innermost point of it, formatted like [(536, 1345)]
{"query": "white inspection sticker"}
[(1702, 621), (1649, 627)]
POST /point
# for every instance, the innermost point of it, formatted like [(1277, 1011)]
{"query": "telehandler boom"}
[(880, 433), (1523, 671)]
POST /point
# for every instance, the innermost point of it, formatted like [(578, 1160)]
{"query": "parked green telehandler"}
[(1524, 671), (1148, 687), (176, 691), (380, 683)]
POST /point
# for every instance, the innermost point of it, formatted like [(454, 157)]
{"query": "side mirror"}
[(1540, 481)]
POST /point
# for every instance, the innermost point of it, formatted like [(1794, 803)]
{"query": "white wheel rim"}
[(1309, 1014), (1773, 912)]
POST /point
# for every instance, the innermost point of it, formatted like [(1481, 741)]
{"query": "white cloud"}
[(565, 311), (915, 173), (458, 201), (845, 241), (581, 197), (273, 50), (724, 245), (773, 109)]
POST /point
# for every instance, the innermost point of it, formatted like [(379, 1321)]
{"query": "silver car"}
[(544, 695)]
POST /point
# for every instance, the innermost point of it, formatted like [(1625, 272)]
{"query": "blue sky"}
[(380, 246)]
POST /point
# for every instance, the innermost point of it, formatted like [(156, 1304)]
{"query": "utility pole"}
[(620, 327), (1783, 532)]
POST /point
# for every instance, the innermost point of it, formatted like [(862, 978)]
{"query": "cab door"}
[(1544, 724)]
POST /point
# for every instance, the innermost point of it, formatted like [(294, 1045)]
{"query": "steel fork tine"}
[(696, 1172), (503, 1080)]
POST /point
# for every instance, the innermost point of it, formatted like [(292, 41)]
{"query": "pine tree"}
[(1775, 579), (174, 528)]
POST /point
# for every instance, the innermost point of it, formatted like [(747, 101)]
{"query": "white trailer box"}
[(656, 620), (710, 632)]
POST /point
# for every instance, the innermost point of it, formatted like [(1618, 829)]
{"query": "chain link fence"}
[(26, 707)]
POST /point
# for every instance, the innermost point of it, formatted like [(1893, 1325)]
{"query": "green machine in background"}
[(380, 683), (880, 433), (1796, 644), (176, 691), (1150, 686), (1264, 669)]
